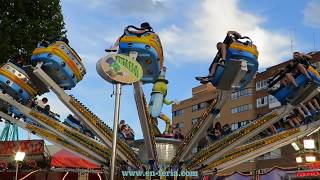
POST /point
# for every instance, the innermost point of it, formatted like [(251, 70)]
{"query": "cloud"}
[(312, 14), (88, 3), (129, 7), (138, 6), (198, 38)]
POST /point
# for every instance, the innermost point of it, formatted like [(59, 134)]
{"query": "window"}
[(238, 94), (261, 85), (195, 150), (194, 121), (237, 125), (261, 102), (276, 86), (203, 105), (258, 85), (239, 109), (234, 126), (272, 155), (178, 112), (180, 125), (273, 102), (195, 107)]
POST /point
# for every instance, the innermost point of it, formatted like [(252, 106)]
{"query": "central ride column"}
[(121, 70)]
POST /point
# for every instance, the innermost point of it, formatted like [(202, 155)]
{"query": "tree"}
[(24, 23)]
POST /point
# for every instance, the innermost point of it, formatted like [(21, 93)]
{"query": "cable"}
[(29, 174), (65, 175)]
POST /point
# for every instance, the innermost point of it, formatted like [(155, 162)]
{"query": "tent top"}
[(66, 159)]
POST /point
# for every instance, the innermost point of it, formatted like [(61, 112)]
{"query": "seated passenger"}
[(300, 61), (144, 27), (313, 105), (305, 109), (121, 128), (279, 126), (88, 132), (317, 99), (221, 55), (273, 129), (17, 60), (304, 113), (215, 133), (43, 107), (41, 104), (177, 133), (50, 113), (169, 132), (128, 133), (294, 121)]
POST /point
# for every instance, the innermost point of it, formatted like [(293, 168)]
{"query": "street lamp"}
[(19, 157)]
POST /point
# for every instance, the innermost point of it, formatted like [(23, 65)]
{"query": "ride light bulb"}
[(310, 158), (295, 146), (299, 159), (308, 144)]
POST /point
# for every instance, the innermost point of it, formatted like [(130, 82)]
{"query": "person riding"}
[(41, 104), (221, 55), (144, 27), (301, 62)]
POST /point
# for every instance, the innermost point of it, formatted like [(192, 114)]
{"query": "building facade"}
[(238, 110)]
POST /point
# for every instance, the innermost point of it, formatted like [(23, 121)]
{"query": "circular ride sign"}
[(119, 68)]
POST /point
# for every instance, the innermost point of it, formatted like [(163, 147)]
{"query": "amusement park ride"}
[(137, 59)]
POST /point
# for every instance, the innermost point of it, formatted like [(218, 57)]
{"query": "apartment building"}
[(237, 111), (188, 111)]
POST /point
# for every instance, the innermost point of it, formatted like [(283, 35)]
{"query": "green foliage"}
[(23, 23)]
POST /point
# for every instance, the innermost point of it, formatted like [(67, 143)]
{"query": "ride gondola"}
[(15, 82), (241, 54), (60, 62), (289, 93), (148, 45)]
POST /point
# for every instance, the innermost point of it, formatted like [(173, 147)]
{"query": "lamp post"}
[(19, 157), (115, 129)]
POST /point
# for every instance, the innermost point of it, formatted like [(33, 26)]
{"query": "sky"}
[(189, 31)]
